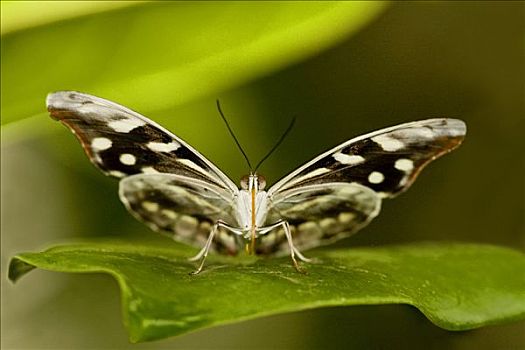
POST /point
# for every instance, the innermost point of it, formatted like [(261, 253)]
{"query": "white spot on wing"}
[(404, 164), (456, 127), (388, 143), (127, 159), (313, 173), (316, 172), (424, 133), (116, 173), (346, 218), (192, 165), (375, 177), (125, 125), (415, 134), (309, 230), (169, 213), (100, 144), (150, 170), (150, 206), (348, 159), (163, 147), (351, 190), (186, 226), (328, 224), (205, 226), (383, 194), (227, 240)]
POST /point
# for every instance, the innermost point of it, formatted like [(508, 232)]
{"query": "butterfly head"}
[(253, 182)]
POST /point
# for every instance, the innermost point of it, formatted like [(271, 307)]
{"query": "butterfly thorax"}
[(251, 205)]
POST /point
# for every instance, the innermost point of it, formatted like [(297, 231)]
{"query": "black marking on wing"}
[(90, 117), (375, 160), (421, 141)]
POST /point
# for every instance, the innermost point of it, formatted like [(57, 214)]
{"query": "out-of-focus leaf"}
[(19, 15), (457, 286), (162, 54)]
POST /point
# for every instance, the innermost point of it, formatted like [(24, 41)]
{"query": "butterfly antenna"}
[(277, 144), (233, 135)]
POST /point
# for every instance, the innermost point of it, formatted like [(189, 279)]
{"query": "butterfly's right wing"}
[(182, 207)]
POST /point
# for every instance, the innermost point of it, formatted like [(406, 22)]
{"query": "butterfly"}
[(172, 188)]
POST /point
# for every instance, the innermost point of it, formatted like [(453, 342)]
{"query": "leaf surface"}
[(457, 286)]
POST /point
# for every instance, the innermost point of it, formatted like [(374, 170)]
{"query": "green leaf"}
[(457, 286), (20, 15), (158, 55)]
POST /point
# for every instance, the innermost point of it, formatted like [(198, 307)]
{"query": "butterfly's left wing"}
[(354, 176), (319, 214), (121, 142), (387, 161)]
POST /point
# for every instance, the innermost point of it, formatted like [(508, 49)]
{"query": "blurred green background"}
[(342, 68)]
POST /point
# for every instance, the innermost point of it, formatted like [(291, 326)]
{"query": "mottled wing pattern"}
[(340, 191), (184, 208), (387, 161), (121, 142), (319, 214)]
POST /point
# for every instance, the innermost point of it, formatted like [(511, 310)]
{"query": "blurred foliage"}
[(457, 286), (415, 60), (19, 15), (163, 54)]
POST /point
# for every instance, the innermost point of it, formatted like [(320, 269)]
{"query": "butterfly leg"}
[(293, 250), (204, 251), (301, 256)]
